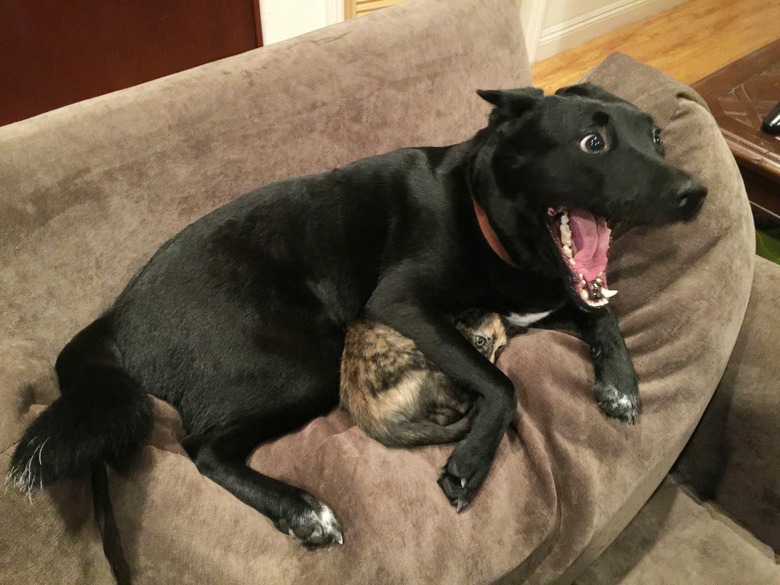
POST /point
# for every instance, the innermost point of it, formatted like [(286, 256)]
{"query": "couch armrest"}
[(734, 454)]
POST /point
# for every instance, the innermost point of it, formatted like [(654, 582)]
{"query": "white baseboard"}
[(574, 32)]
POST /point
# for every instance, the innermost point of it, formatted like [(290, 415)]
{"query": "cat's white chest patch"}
[(525, 319)]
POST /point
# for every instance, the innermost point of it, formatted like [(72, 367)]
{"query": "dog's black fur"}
[(238, 321)]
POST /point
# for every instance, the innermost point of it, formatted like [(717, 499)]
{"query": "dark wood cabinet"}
[(56, 53), (739, 96)]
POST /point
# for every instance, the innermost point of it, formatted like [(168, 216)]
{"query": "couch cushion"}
[(677, 539), (733, 457), (566, 479), (683, 295)]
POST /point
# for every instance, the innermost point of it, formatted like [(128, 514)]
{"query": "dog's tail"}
[(102, 417), (415, 433)]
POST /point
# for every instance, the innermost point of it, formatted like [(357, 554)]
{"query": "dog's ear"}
[(512, 103), (588, 90)]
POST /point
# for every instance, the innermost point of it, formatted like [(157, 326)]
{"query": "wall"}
[(283, 19), (558, 11), (551, 26), (570, 23)]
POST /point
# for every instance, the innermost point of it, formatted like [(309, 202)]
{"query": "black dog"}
[(238, 321)]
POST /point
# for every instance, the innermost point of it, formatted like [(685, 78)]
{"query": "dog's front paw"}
[(617, 403), (311, 523), (463, 475)]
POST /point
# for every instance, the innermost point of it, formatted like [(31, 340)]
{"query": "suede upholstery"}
[(734, 455), (675, 539), (88, 192)]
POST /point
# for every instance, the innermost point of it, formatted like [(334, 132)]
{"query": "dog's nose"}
[(689, 195)]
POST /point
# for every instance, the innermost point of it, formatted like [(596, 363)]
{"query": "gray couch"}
[(88, 192)]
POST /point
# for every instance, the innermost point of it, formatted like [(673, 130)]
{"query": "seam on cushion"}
[(551, 540), (305, 457), (8, 446), (689, 94), (4, 450)]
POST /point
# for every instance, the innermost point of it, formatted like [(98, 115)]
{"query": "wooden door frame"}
[(335, 10), (258, 24), (532, 16), (350, 5)]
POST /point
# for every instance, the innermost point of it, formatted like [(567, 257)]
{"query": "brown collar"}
[(490, 236)]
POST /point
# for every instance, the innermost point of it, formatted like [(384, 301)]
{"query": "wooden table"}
[(740, 95)]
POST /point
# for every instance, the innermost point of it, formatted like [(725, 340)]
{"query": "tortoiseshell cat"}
[(397, 396)]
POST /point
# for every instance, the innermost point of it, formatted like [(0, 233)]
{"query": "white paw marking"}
[(329, 523), (326, 520), (526, 319)]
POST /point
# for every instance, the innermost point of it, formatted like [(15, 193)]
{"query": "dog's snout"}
[(689, 195)]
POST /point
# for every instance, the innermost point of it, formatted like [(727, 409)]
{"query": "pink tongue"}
[(591, 239)]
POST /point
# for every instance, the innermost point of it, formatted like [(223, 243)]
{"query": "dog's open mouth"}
[(583, 242)]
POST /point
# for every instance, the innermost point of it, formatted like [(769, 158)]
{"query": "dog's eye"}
[(479, 341), (657, 136), (593, 143)]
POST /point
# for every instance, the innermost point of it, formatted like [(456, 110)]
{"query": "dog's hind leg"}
[(221, 456), (287, 381)]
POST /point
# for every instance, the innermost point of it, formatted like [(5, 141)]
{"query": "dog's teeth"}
[(567, 251), (599, 303), (584, 295), (608, 294), (564, 219), (566, 235)]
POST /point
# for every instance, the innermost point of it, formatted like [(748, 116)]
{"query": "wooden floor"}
[(687, 42)]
